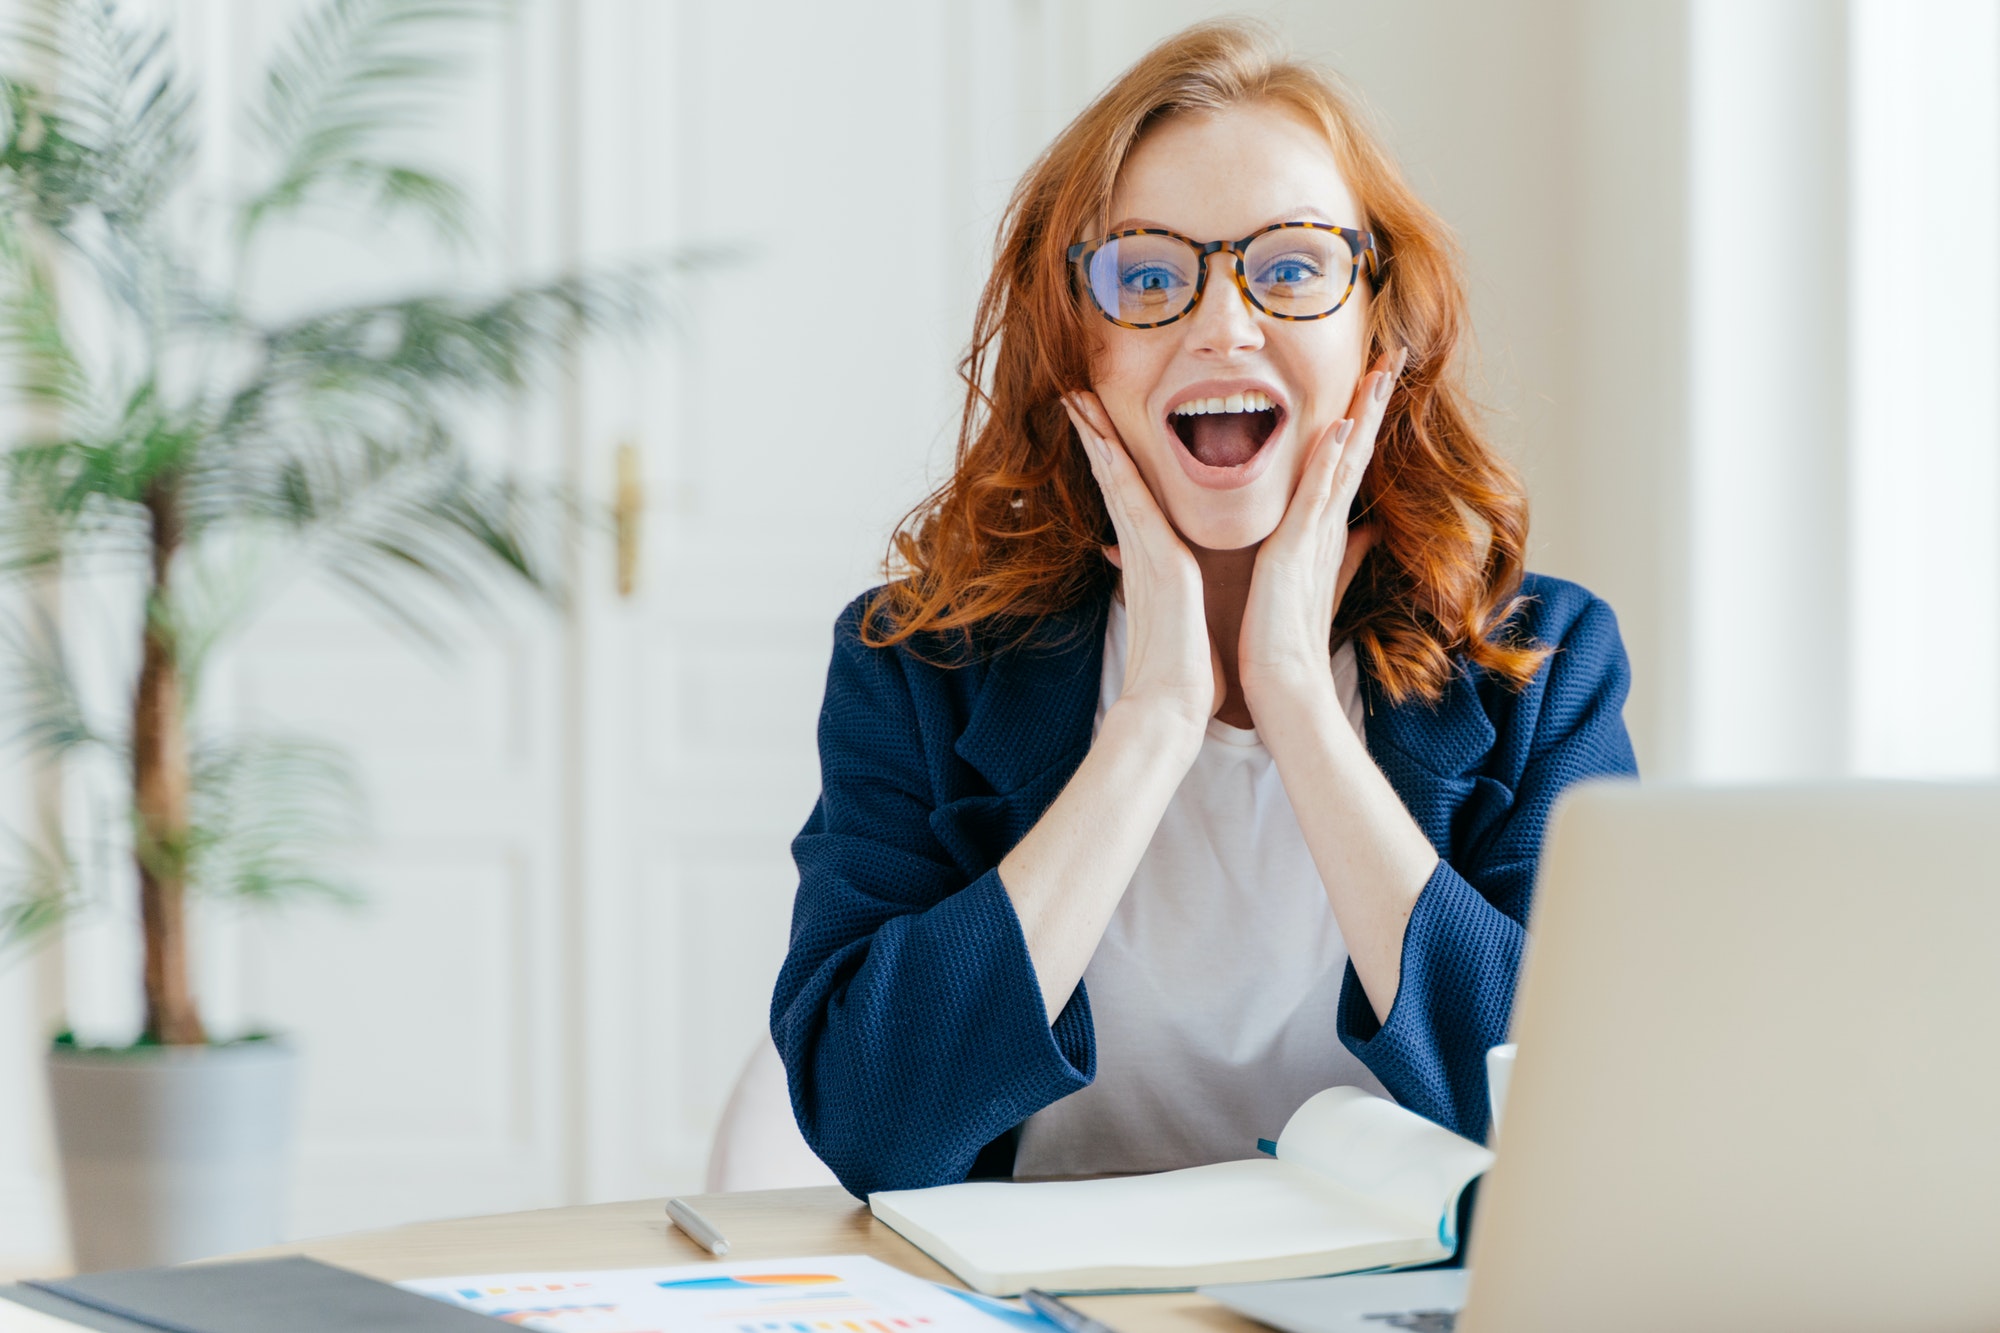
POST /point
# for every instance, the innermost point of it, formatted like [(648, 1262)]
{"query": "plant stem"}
[(160, 781)]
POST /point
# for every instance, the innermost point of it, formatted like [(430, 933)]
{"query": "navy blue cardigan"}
[(911, 1024)]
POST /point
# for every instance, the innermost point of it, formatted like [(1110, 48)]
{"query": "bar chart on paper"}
[(845, 1294)]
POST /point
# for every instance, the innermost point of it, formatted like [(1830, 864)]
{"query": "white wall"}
[(581, 857)]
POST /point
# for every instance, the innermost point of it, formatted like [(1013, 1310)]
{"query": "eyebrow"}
[(1307, 211)]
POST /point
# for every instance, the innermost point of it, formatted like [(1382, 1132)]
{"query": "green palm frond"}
[(428, 527), (421, 346), (451, 536), (218, 591), (65, 496), (47, 716), (91, 153), (94, 159), (345, 439), (353, 73), (114, 136), (46, 376), (69, 493), (42, 891), (386, 504), (268, 813), (50, 173), (46, 373)]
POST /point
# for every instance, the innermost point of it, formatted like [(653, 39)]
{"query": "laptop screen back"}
[(1759, 1073)]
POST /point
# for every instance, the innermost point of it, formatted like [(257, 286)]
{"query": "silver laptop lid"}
[(1759, 1074)]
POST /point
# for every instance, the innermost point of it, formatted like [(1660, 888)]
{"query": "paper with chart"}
[(842, 1294)]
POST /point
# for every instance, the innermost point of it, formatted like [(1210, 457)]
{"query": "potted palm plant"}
[(181, 449)]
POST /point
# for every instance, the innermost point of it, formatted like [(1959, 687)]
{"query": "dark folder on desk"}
[(248, 1296)]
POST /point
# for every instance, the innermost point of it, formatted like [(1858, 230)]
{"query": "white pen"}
[(698, 1228)]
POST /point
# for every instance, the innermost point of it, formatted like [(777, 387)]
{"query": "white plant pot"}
[(173, 1153)]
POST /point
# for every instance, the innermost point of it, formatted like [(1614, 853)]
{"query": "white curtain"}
[(1924, 388), (1783, 463)]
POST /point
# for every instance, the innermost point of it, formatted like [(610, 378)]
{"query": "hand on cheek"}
[(1169, 661), (1305, 567)]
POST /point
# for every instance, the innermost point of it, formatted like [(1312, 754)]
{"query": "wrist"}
[(1168, 730), (1286, 693)]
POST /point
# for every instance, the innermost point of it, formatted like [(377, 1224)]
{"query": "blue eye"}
[(1292, 271), (1150, 278)]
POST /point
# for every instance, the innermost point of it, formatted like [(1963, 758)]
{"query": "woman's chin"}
[(1227, 527)]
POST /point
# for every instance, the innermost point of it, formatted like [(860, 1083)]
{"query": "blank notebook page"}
[(1197, 1218)]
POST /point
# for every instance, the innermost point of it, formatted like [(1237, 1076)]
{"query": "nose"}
[(1224, 322)]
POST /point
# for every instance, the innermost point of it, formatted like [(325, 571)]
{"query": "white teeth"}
[(1248, 401)]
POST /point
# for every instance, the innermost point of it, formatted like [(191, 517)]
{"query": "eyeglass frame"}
[(1361, 243)]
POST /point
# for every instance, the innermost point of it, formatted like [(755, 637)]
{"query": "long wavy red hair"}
[(1017, 531)]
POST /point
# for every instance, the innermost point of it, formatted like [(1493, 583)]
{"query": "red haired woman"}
[(1198, 757)]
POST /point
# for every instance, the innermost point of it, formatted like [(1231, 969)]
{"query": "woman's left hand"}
[(1372, 858), (1303, 568)]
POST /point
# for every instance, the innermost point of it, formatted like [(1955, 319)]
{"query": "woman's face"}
[(1224, 479)]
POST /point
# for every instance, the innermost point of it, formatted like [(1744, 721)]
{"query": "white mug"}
[(1499, 1069)]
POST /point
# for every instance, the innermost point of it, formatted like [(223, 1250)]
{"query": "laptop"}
[(1758, 1079)]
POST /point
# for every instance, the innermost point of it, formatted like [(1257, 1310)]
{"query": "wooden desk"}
[(768, 1224)]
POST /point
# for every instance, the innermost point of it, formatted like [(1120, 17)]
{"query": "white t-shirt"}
[(1215, 986)]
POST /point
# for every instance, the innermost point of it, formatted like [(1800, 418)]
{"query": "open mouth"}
[(1226, 432)]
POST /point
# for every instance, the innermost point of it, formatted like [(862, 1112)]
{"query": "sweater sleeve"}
[(1463, 944), (907, 1011)]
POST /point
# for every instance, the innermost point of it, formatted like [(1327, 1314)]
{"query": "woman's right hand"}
[(1065, 877), (1171, 664)]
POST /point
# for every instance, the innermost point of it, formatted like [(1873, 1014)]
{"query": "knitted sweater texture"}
[(912, 1027)]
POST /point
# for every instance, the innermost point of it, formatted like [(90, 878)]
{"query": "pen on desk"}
[(1069, 1317), (698, 1228)]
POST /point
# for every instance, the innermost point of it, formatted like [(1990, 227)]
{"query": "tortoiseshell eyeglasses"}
[(1148, 276)]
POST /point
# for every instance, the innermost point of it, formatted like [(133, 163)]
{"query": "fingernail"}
[(1402, 360), (1343, 429), (1385, 384)]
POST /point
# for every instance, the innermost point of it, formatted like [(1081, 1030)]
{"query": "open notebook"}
[(1357, 1183)]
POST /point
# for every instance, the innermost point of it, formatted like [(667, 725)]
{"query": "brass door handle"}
[(628, 514)]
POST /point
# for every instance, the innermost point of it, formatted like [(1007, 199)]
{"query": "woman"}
[(1199, 756)]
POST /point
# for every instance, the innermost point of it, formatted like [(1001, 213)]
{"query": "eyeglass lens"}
[(1298, 271)]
